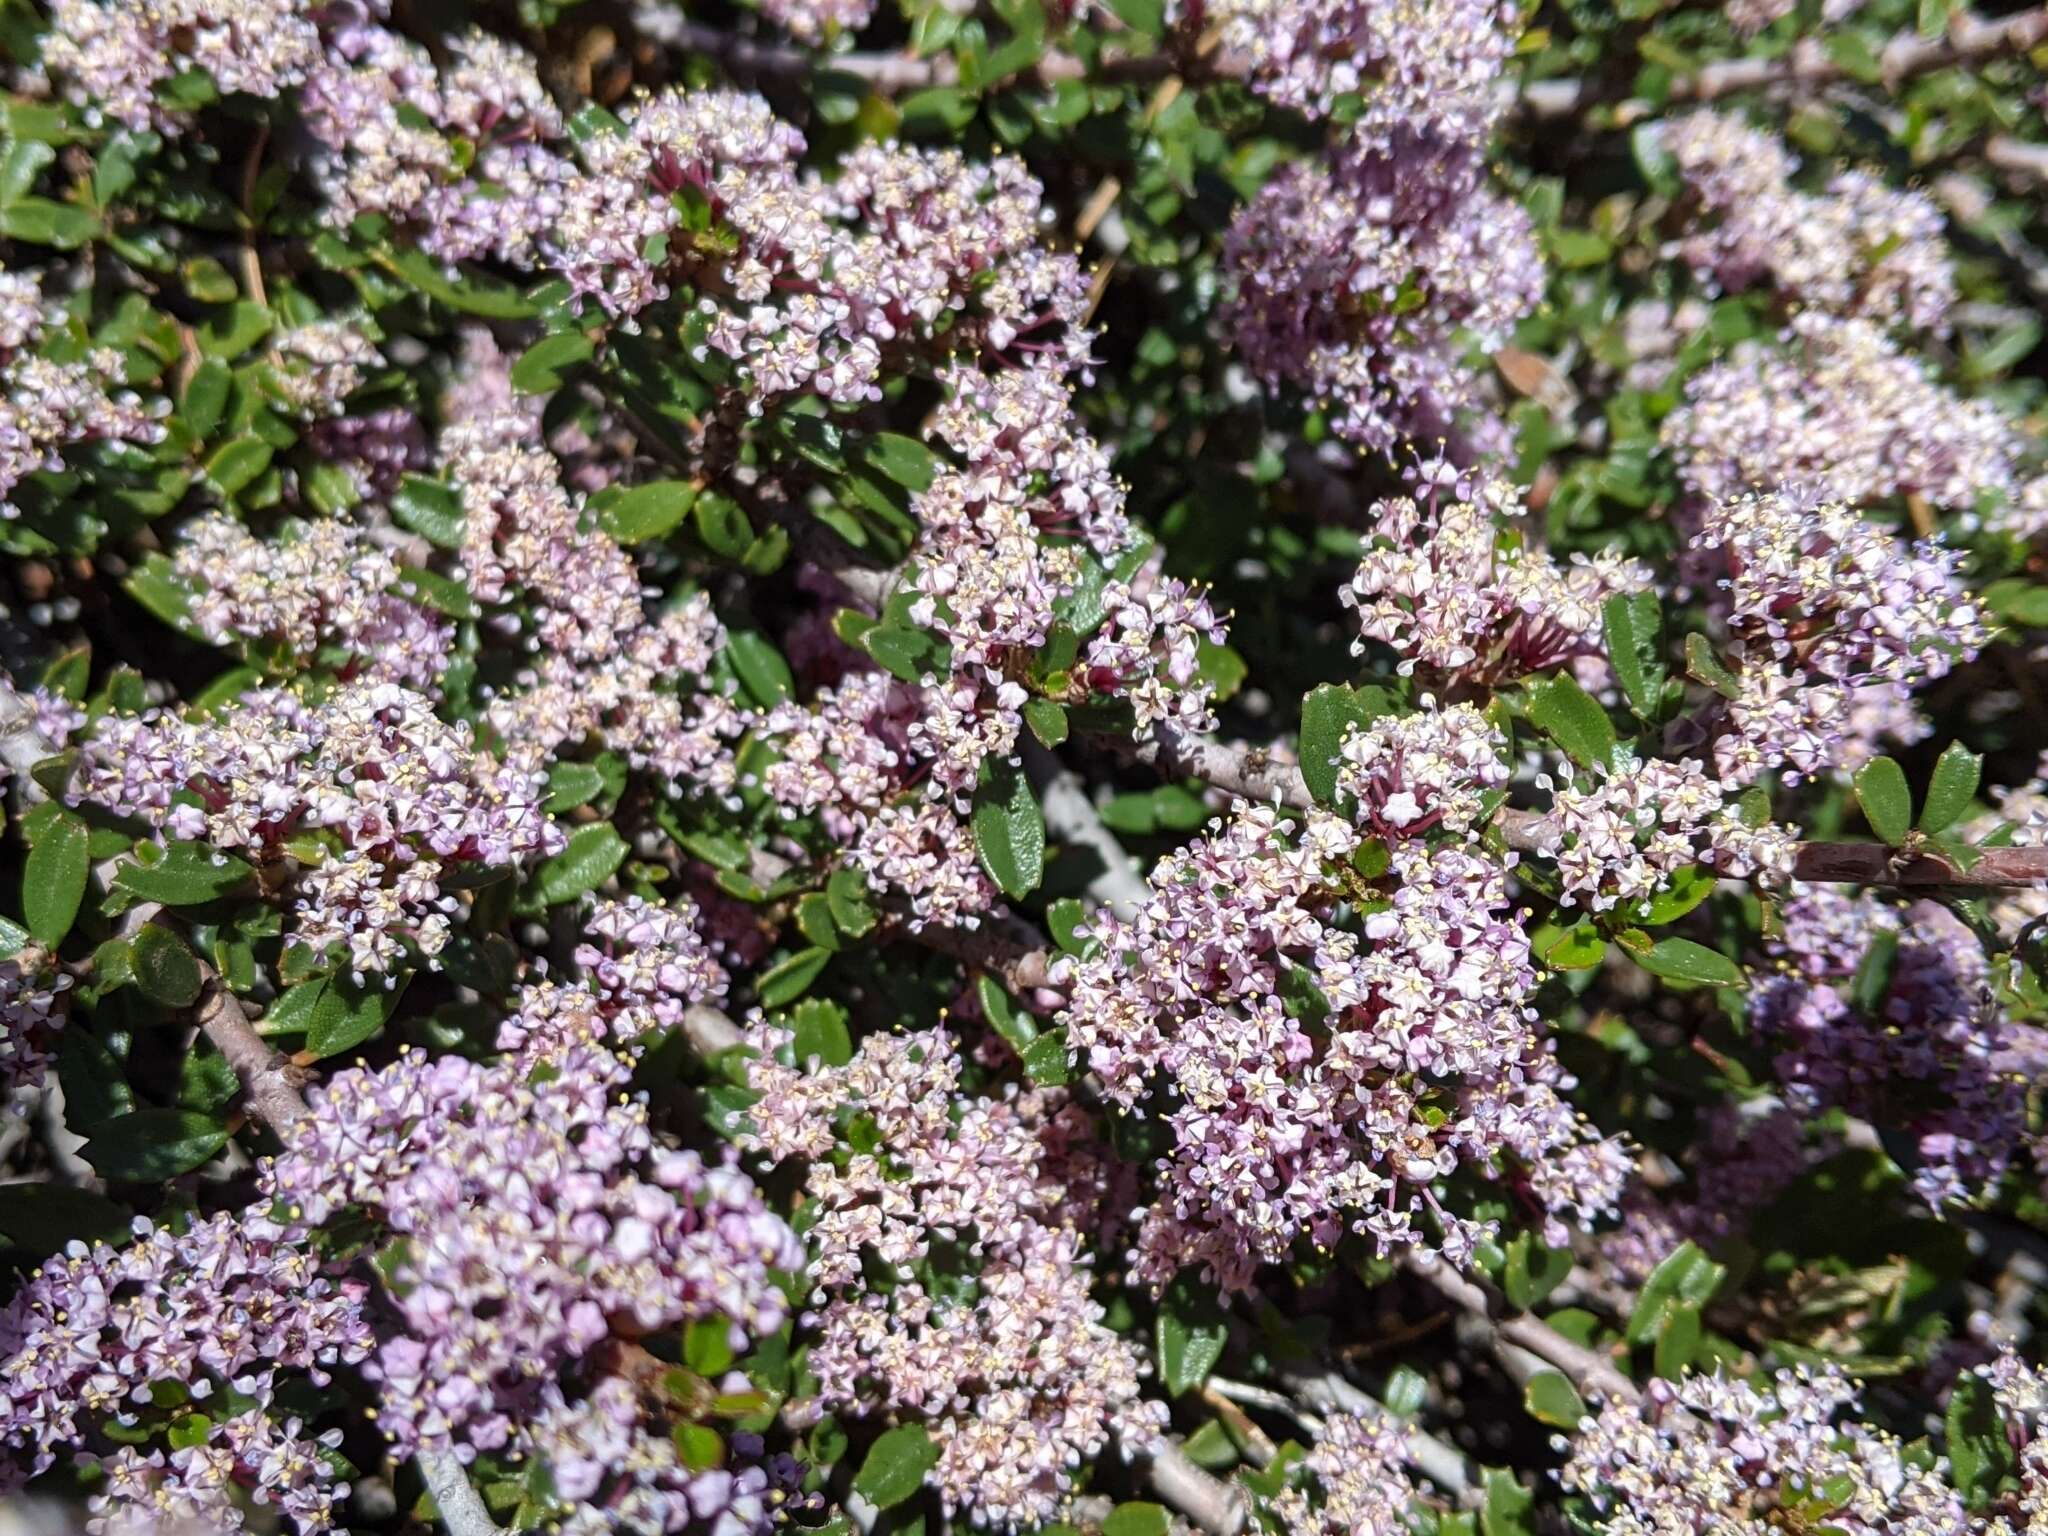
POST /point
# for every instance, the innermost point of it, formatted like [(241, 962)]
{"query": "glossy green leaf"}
[(895, 1466), (1683, 960), (1328, 714), (151, 1145), (1009, 831), (53, 878), (1949, 793), (592, 856), (1572, 718), (164, 968), (647, 511), (186, 875), (1887, 802)]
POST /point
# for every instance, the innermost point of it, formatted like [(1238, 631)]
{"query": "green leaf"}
[(1329, 713), (1887, 802), (53, 878), (895, 1466), (1686, 1278), (1572, 718), (237, 462), (904, 460), (1683, 960), (41, 1219), (593, 855), (44, 222), (938, 111), (571, 785), (1706, 667), (95, 1086), (187, 875), (1009, 831), (233, 330), (1016, 1026), (647, 511), (345, 1015), (1634, 626), (1507, 1506), (1048, 721), (1950, 791), (470, 292), (1532, 1271), (1045, 1059), (847, 895), (21, 161), (722, 526), (1551, 1399), (1137, 1518), (2018, 602), (541, 366), (151, 1145), (1579, 948), (1688, 888), (1979, 1455), (785, 982), (1678, 1341), (1191, 1333), (164, 968), (431, 510), (820, 1031), (761, 669)]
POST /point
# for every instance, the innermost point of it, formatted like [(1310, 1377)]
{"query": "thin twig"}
[(271, 1085), (252, 172), (1071, 817), (1590, 1371), (1442, 1463), (1809, 63)]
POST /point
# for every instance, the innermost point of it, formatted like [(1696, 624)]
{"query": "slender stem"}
[(1590, 1371), (272, 1086)]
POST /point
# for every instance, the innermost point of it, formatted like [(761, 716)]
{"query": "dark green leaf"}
[(1572, 718), (164, 968), (1887, 802), (1979, 1453), (1009, 831), (1551, 1400), (646, 511), (43, 222), (1953, 786), (820, 1032), (1683, 960), (472, 293), (53, 878), (541, 366), (42, 1218), (1191, 1333), (187, 875), (895, 1466), (151, 1145), (762, 671), (431, 510), (1328, 715), (1634, 626), (593, 855), (785, 982), (1137, 1518), (346, 1014)]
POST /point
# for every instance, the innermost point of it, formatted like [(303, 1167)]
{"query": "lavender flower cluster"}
[(376, 800)]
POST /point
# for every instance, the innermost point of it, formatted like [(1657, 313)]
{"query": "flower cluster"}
[(227, 1307), (32, 1010), (643, 966), (1440, 585), (399, 799), (1923, 1060), (1429, 771), (1857, 248), (1015, 1375), (49, 403), (1360, 279), (1838, 405), (538, 1216), (1294, 1120), (112, 55), (1715, 1453), (1619, 834), (1821, 603), (1363, 1485), (1433, 63), (317, 584)]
